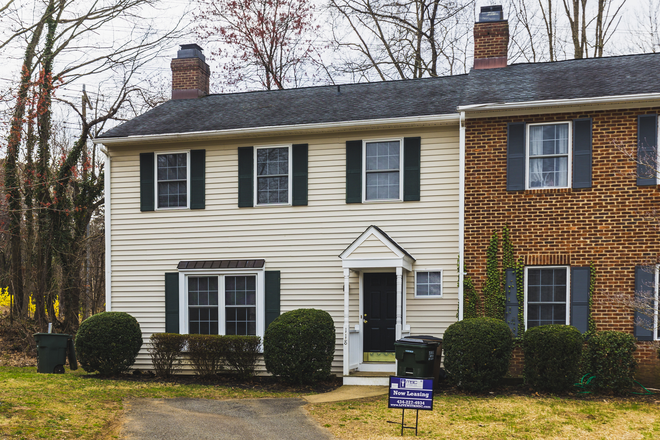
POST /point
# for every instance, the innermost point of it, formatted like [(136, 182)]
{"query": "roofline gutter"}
[(560, 102), (214, 134)]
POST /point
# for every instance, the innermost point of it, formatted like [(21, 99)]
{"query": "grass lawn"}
[(73, 406), (506, 417)]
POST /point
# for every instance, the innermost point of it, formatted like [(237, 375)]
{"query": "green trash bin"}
[(418, 356), (52, 349)]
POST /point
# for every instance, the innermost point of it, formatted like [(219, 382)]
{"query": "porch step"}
[(368, 378)]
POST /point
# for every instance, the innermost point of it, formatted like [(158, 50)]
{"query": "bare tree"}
[(402, 38), (267, 42), (647, 20), (54, 189)]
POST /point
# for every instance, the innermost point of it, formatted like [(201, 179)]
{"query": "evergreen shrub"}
[(552, 357), (609, 357), (108, 342), (299, 346), (477, 352)]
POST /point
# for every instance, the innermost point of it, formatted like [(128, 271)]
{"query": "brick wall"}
[(605, 224), (491, 39), (190, 74)]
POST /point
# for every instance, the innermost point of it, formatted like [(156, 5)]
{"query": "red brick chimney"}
[(491, 39), (190, 73)]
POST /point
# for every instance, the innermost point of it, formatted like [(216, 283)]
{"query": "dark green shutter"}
[(147, 184), (353, 171), (511, 310), (245, 177), (172, 302), (515, 156), (644, 294), (197, 179), (411, 163), (272, 296), (299, 159), (580, 280), (582, 153), (647, 141)]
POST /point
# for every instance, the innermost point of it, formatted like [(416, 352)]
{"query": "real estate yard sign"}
[(410, 393)]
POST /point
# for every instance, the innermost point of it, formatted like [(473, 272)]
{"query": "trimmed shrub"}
[(165, 352), (108, 342), (477, 352), (609, 356), (552, 357), (299, 346), (206, 353), (242, 354)]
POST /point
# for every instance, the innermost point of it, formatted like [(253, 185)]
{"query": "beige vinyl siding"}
[(303, 242)]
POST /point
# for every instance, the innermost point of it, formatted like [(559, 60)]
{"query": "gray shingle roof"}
[(308, 105), (587, 78)]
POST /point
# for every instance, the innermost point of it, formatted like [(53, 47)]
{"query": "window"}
[(546, 295), (225, 304), (548, 155), (172, 180), (428, 284), (272, 186), (382, 170)]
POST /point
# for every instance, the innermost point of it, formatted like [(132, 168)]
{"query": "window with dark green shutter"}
[(547, 295), (383, 170), (172, 180)]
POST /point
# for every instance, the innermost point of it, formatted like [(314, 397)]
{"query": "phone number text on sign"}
[(408, 393)]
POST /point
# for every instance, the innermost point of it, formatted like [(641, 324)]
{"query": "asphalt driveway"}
[(244, 419)]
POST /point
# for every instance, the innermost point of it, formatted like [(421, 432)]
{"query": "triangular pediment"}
[(374, 244)]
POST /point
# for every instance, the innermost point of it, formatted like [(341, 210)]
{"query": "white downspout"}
[(108, 234), (461, 217), (347, 350)]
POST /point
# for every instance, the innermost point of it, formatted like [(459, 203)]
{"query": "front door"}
[(379, 318)]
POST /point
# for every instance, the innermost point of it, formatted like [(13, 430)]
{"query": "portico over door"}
[(381, 262)]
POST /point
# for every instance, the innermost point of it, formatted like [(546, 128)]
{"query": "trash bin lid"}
[(420, 339)]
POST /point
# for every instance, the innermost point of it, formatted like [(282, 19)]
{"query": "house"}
[(358, 199)]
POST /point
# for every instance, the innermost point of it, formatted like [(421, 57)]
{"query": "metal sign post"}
[(410, 393)]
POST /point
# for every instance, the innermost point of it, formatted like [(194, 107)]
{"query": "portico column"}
[(399, 302), (346, 350)]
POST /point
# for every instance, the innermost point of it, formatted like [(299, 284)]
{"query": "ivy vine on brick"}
[(494, 298), (592, 288)]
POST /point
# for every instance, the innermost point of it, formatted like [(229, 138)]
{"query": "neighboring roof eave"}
[(281, 129), (619, 99)]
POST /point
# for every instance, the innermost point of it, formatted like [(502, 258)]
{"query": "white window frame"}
[(261, 296), (163, 153), (568, 290), (364, 170), (256, 176), (569, 176), (441, 281)]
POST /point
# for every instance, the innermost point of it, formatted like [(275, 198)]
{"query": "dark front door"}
[(379, 311)]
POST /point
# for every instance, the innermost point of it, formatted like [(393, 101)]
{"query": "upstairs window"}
[(172, 180), (548, 155), (383, 170), (272, 186)]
